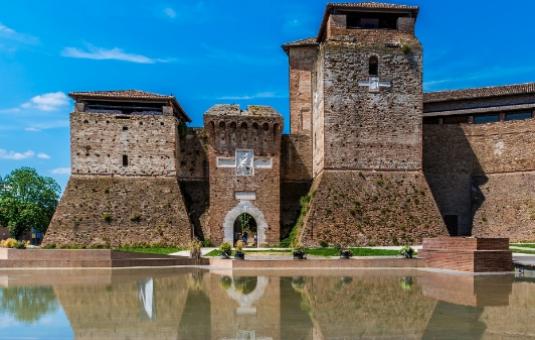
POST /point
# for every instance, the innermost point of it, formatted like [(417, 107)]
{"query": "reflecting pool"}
[(202, 304)]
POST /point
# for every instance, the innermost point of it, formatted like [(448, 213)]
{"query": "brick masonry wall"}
[(116, 211), (227, 131), (301, 68), (371, 208), (99, 141), (296, 158), (485, 175)]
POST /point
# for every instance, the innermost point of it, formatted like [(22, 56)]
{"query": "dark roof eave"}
[(163, 99)]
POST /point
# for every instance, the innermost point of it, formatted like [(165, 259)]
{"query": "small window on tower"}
[(373, 66), (125, 160)]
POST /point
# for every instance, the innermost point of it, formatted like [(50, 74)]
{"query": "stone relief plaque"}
[(244, 162)]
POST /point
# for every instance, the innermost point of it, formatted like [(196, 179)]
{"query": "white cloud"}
[(47, 102), (97, 53), (61, 171), (267, 94), (42, 155), (16, 156), (10, 34), (169, 12), (6, 31)]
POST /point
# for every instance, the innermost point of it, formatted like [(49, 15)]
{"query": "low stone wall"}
[(88, 258), (117, 211), (371, 208), (468, 254)]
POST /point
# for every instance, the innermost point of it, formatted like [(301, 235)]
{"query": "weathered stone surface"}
[(117, 211), (99, 141), (371, 208)]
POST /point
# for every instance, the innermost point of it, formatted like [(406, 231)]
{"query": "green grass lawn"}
[(319, 252), (151, 250), (217, 252), (523, 245), (523, 251)]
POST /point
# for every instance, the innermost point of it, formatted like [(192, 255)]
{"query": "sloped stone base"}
[(119, 211), (364, 208)]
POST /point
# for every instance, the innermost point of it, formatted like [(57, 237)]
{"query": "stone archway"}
[(249, 208)]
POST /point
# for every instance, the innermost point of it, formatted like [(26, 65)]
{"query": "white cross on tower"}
[(374, 84), (244, 162)]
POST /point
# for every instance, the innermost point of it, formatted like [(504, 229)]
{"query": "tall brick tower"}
[(244, 171), (366, 100)]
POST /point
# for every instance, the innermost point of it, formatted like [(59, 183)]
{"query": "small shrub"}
[(106, 217), (207, 243), (346, 253), (407, 252), (20, 245), (226, 249), (324, 244), (195, 249), (8, 243), (49, 246), (406, 49), (299, 252)]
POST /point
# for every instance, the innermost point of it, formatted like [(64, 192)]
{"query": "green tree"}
[(27, 200)]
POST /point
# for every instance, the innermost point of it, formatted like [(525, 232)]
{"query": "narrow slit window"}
[(373, 66), (125, 160)]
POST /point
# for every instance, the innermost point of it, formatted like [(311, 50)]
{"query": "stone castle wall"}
[(119, 211), (100, 140), (372, 130), (485, 174), (371, 208)]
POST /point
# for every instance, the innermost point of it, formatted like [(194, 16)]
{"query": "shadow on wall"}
[(196, 197), (296, 179), (454, 175)]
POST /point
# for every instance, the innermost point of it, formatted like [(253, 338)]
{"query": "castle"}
[(370, 158)]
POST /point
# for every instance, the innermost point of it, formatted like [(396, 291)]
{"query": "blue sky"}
[(207, 52)]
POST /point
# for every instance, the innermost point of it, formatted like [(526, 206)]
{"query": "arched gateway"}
[(244, 207)]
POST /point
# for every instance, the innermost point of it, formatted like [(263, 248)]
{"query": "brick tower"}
[(366, 100), (244, 171)]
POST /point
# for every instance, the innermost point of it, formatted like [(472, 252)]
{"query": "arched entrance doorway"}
[(249, 208), (245, 229)]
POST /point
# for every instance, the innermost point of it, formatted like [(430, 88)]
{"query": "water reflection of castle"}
[(192, 304)]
